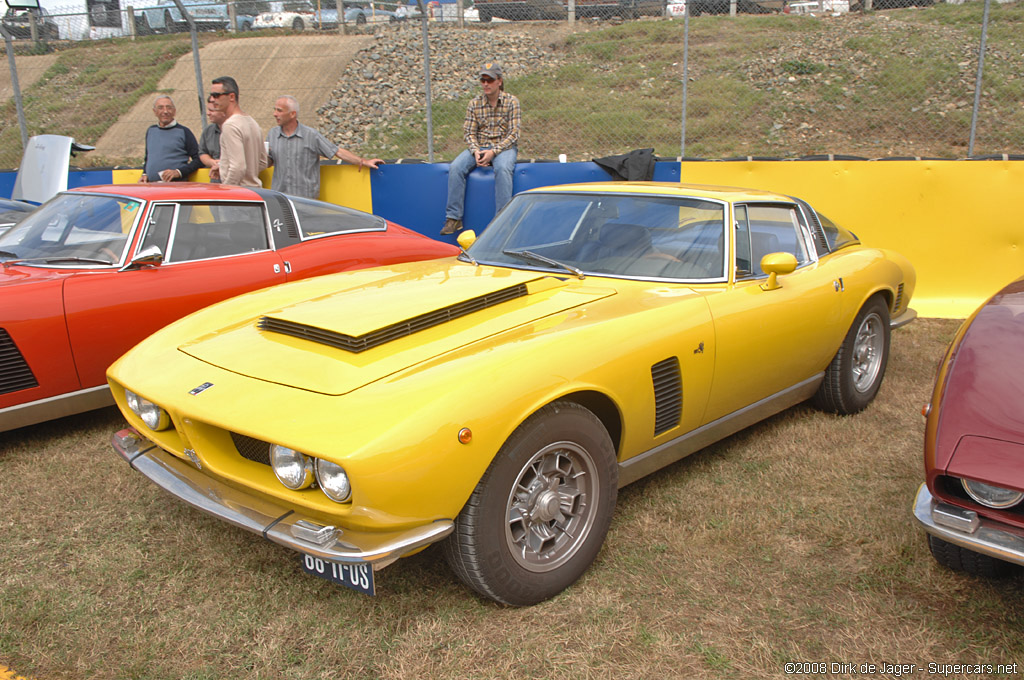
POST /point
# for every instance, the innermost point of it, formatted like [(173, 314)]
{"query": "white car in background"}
[(294, 14)]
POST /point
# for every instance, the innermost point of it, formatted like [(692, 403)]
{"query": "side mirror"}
[(774, 264), (148, 256), (466, 239)]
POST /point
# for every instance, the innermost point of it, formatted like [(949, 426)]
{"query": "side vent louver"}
[(288, 218), (14, 371), (668, 394), (898, 302), (394, 331)]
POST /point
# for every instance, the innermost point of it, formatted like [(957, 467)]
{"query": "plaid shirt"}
[(495, 127)]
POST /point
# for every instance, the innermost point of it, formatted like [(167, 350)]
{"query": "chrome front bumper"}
[(275, 523), (903, 319), (966, 529)]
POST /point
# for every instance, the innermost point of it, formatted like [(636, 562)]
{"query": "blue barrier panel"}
[(414, 195), (7, 183)]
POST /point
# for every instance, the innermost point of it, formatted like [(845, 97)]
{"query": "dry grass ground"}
[(791, 541)]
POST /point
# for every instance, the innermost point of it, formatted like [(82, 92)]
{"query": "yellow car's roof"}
[(710, 191)]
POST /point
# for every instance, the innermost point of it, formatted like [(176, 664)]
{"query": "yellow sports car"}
[(497, 401)]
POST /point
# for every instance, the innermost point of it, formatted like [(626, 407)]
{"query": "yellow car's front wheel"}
[(539, 515)]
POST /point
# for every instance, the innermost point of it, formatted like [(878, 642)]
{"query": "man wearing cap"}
[(491, 131)]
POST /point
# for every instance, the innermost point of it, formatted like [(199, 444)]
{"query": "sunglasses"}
[(216, 95), (485, 79)]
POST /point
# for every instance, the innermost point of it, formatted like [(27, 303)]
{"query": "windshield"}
[(72, 229), (628, 235)]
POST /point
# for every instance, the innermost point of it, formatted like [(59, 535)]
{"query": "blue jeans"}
[(504, 164)]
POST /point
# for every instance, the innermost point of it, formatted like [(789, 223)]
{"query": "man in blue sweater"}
[(172, 153)]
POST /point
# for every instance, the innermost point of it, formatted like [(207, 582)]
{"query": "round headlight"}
[(333, 481), (152, 415), (293, 469), (991, 495)]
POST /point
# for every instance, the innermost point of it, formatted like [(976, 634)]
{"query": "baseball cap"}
[(491, 69)]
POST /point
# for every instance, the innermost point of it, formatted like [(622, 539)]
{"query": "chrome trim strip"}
[(58, 406), (990, 537), (695, 440), (903, 319), (264, 517)]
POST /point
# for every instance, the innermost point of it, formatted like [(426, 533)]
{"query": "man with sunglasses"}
[(491, 131), (242, 152)]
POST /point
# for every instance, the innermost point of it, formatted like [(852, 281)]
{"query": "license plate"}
[(358, 576)]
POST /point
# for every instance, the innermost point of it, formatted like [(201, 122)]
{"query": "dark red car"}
[(971, 501), (95, 270)]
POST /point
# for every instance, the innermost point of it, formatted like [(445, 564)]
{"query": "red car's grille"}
[(14, 371)]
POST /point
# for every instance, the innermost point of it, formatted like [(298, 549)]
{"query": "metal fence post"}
[(426, 80), (16, 87), (686, 77), (977, 80)]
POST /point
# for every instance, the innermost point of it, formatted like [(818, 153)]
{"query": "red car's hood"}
[(982, 407)]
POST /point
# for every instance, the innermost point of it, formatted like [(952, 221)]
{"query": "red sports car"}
[(972, 501), (97, 269)]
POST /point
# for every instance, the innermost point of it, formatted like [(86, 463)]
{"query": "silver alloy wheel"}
[(552, 506), (868, 350)]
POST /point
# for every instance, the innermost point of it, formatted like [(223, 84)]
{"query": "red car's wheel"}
[(539, 515), (960, 559)]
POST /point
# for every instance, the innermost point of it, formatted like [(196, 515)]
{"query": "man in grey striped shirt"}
[(295, 149)]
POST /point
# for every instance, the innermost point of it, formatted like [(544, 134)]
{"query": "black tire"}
[(961, 559), (360, 19), (142, 26), (298, 25), (538, 517), (855, 374)]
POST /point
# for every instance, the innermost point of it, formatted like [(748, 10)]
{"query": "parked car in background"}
[(18, 22), (525, 10), (95, 270), (675, 9), (294, 14), (495, 402), (246, 12), (165, 17), (357, 13), (972, 501)]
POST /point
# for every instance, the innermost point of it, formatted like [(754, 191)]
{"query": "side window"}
[(775, 228), (158, 228), (318, 219), (203, 231), (744, 265)]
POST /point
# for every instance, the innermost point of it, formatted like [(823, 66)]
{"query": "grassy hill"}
[(897, 83)]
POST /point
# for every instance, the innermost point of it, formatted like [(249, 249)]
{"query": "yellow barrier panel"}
[(957, 221)]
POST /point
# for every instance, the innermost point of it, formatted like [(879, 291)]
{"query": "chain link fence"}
[(787, 80)]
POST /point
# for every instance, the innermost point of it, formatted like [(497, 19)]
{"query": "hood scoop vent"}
[(395, 331)]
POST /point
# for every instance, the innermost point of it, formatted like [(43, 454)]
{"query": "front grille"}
[(394, 331), (14, 371), (668, 394), (252, 449)]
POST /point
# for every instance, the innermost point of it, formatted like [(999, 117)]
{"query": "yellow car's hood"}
[(374, 323)]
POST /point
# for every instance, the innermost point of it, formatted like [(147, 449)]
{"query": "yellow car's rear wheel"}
[(538, 517)]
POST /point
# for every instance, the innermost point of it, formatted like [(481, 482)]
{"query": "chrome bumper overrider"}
[(273, 522), (966, 529)]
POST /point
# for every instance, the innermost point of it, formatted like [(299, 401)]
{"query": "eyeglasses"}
[(485, 79), (216, 95)]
